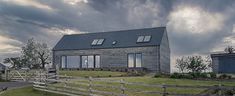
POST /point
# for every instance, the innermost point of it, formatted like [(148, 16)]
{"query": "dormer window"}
[(143, 39), (97, 42)]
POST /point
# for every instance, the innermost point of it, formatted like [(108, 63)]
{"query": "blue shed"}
[(223, 63)]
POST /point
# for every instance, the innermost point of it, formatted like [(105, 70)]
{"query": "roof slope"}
[(124, 38)]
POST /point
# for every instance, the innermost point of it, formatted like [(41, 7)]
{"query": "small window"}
[(140, 39), (95, 42), (100, 42), (147, 38), (143, 39)]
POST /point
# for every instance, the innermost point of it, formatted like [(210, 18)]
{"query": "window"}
[(135, 60), (131, 60), (84, 61), (90, 62), (63, 62), (147, 38), (97, 42), (73, 62), (138, 60), (100, 42), (140, 39), (97, 61), (143, 39)]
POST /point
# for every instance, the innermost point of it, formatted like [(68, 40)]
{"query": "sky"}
[(195, 27)]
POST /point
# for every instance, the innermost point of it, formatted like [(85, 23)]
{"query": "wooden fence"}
[(73, 86), (28, 75)]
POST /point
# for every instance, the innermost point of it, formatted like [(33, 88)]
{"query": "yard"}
[(92, 73), (27, 91), (117, 76)]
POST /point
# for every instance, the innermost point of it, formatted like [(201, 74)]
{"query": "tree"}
[(229, 49), (181, 64), (15, 62), (43, 53), (208, 62), (196, 64), (29, 54)]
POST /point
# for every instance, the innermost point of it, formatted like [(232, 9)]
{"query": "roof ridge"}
[(114, 31)]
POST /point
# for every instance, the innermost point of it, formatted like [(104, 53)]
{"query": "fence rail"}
[(94, 87)]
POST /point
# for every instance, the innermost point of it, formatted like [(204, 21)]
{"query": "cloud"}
[(30, 3), (9, 45), (195, 20), (75, 2)]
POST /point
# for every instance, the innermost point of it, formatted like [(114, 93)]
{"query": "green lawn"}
[(92, 73), (148, 80), (27, 91), (116, 76)]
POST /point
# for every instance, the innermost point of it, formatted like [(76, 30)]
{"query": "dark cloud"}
[(23, 22)]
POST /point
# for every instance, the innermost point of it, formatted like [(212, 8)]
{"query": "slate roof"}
[(123, 38)]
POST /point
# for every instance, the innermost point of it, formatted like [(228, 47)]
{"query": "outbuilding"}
[(223, 63)]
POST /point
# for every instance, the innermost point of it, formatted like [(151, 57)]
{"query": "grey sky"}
[(194, 26)]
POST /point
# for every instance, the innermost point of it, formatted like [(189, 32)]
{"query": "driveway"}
[(13, 85)]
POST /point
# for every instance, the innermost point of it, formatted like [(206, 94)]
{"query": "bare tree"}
[(229, 49), (181, 64), (14, 61), (43, 53)]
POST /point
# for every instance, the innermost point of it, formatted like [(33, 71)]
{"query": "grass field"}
[(93, 73), (145, 80), (27, 91)]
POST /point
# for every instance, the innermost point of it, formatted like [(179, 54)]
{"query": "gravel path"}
[(12, 85)]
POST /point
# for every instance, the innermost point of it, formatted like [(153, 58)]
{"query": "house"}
[(138, 48), (223, 63)]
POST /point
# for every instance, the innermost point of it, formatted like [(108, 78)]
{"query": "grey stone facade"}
[(165, 54), (118, 57), (223, 63)]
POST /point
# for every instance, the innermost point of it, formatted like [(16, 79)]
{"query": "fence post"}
[(65, 83), (6, 73), (90, 86), (220, 91), (164, 90), (122, 82)]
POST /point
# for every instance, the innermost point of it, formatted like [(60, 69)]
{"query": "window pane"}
[(147, 38), (90, 61), (97, 61), (73, 61), (63, 62), (100, 41), (95, 42), (130, 60), (140, 39), (84, 61), (138, 60)]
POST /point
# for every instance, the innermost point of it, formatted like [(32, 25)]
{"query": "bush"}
[(212, 75), (224, 76), (176, 75)]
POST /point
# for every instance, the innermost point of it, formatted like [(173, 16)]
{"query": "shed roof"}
[(123, 38)]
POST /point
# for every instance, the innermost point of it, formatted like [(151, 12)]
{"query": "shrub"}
[(176, 75), (224, 76), (212, 75)]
